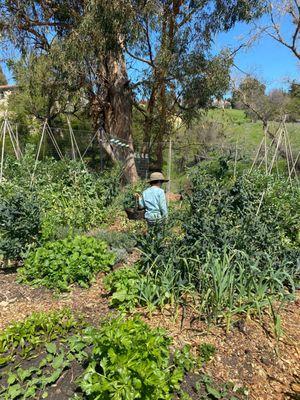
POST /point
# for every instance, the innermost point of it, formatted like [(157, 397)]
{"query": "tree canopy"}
[(118, 53)]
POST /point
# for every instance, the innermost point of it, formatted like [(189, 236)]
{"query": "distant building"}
[(221, 103), (5, 92)]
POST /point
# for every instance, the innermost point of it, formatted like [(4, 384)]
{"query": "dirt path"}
[(249, 355), (18, 301)]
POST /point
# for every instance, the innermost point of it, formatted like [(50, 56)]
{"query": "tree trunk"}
[(112, 113), (118, 112)]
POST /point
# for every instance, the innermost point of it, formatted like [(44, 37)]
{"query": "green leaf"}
[(11, 378), (58, 361), (51, 348), (213, 392), (30, 392), (14, 391), (5, 360)]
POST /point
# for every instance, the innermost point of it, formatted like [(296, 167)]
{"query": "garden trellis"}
[(6, 129), (280, 140)]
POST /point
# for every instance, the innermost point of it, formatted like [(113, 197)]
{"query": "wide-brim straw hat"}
[(157, 176)]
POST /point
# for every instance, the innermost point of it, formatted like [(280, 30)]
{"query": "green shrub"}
[(72, 260), (71, 198), (237, 253), (255, 214), (129, 199), (19, 224), (130, 361)]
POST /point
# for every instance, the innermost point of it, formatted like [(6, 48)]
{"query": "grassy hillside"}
[(238, 128)]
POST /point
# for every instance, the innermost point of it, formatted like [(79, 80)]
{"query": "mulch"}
[(249, 355)]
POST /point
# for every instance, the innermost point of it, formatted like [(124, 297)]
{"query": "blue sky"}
[(267, 59), (270, 61)]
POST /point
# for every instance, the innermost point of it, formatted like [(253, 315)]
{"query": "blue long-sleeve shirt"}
[(154, 201)]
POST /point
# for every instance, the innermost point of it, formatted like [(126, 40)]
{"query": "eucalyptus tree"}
[(86, 41), (179, 72), (96, 42)]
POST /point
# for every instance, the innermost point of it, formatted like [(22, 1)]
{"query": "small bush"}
[(19, 224), (130, 361), (72, 260), (117, 240)]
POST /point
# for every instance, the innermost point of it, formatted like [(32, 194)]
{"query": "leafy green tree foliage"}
[(180, 73), (251, 96), (42, 88), (294, 105), (170, 38), (91, 41), (250, 91)]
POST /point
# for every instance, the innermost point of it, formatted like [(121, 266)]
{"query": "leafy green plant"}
[(37, 351), (20, 224), (22, 337), (70, 197), (207, 351), (130, 288), (123, 285), (255, 214), (237, 254), (207, 388), (58, 264), (130, 360), (129, 199)]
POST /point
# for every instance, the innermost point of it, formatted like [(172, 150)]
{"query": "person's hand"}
[(137, 195)]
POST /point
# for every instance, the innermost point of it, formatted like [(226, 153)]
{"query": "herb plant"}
[(130, 361), (58, 264)]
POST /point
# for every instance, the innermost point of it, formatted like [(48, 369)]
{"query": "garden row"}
[(231, 248), (55, 355)]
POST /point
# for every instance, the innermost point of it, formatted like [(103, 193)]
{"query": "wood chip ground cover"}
[(248, 356)]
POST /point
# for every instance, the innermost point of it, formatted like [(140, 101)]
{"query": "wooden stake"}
[(276, 151), (2, 150), (38, 152), (169, 166), (256, 156)]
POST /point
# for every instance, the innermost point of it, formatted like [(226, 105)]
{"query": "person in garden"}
[(153, 200)]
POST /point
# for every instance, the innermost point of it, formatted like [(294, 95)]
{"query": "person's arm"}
[(163, 204)]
